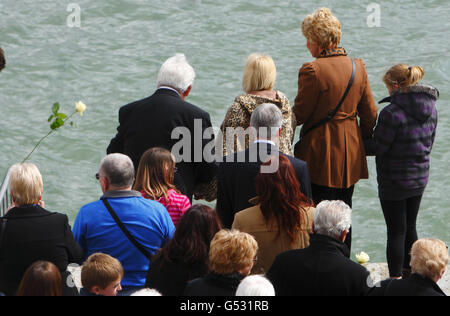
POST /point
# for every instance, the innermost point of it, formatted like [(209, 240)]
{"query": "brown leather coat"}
[(335, 151)]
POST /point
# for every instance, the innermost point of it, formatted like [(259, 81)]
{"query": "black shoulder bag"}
[(333, 113), (125, 230)]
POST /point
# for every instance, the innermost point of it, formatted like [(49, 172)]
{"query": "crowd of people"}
[(283, 218)]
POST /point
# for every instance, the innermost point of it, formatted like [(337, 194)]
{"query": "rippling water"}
[(113, 59)]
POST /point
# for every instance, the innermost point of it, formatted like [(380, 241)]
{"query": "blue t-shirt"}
[(147, 221)]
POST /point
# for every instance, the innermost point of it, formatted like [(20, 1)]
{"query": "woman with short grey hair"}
[(42, 235)]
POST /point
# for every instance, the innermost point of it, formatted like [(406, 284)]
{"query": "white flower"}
[(80, 107), (362, 257)]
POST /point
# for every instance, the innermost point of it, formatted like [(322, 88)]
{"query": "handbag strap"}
[(333, 113), (125, 230)]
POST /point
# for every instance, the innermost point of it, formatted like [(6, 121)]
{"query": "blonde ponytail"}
[(403, 75), (416, 73)]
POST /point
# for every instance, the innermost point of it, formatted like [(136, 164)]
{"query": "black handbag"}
[(125, 230), (332, 114)]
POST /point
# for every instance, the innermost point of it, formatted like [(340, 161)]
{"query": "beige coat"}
[(252, 221), (335, 151)]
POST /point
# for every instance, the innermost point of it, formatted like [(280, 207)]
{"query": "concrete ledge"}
[(378, 271)]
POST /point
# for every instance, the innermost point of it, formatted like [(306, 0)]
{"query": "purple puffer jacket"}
[(402, 142)]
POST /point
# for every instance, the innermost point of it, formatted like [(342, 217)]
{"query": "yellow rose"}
[(362, 257), (80, 107)]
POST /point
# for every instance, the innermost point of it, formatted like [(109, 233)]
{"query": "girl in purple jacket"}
[(402, 143)]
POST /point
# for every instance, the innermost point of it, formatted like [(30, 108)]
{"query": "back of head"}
[(429, 258), (280, 196), (119, 170), (146, 292), (100, 270), (403, 76), (231, 251), (2, 59), (255, 285), (266, 120), (332, 218), (322, 28), (193, 236), (260, 73), (41, 279), (26, 184), (176, 73), (156, 173)]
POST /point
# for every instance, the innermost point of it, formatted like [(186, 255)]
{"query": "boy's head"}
[(101, 274)]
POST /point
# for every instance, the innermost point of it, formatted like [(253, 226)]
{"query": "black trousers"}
[(401, 218), (321, 193)]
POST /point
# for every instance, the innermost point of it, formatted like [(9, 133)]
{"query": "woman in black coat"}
[(429, 259), (29, 233)]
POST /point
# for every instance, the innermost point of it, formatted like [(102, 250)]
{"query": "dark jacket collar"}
[(426, 282), (167, 92), (331, 52), (322, 242), (120, 194), (26, 212), (229, 280)]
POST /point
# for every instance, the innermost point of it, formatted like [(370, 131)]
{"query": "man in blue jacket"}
[(146, 221)]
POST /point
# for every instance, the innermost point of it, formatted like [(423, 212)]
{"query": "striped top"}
[(177, 204)]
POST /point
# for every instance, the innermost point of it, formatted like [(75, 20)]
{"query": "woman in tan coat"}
[(283, 218), (334, 150)]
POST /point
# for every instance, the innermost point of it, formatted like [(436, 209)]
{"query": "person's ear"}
[(343, 236), (187, 92), (95, 290)]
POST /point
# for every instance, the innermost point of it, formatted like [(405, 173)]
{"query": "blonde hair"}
[(322, 28), (26, 184), (260, 73), (231, 251), (100, 270), (403, 75), (429, 257)]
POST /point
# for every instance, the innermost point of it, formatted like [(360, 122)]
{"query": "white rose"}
[(362, 257), (80, 107)]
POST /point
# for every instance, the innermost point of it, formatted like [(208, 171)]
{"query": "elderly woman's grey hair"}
[(119, 170), (176, 73), (332, 218), (255, 285), (266, 120)]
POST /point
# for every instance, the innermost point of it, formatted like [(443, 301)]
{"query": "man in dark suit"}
[(237, 172), (160, 120), (322, 269)]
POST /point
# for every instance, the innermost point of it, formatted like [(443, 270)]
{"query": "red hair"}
[(280, 197)]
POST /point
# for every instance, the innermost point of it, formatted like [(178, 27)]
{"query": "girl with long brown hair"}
[(283, 218), (155, 181)]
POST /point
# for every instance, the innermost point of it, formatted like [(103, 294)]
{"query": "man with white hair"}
[(322, 269), (150, 122), (122, 223), (237, 172)]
